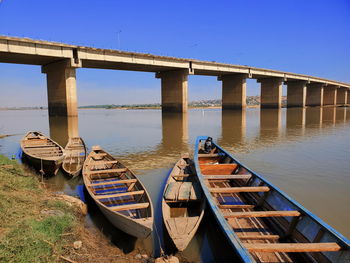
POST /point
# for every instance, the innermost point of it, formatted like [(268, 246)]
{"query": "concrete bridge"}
[(60, 61)]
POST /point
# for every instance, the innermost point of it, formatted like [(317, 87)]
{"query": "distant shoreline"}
[(129, 108)]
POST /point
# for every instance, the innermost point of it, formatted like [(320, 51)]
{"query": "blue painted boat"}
[(261, 222)]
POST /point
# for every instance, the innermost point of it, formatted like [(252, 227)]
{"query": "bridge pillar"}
[(348, 98), (342, 96), (330, 95), (174, 90), (296, 93), (271, 92), (314, 94), (61, 88), (233, 91)]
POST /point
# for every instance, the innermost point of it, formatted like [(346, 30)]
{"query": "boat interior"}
[(268, 224), (115, 186), (183, 194), (74, 154), (37, 145)]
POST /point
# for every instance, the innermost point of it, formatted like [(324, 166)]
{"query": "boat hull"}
[(49, 167), (304, 237)]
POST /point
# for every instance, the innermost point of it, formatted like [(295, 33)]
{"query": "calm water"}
[(305, 152)]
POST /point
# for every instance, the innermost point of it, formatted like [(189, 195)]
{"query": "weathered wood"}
[(200, 155), (227, 177), (292, 247), (120, 194), (101, 163), (240, 189), (129, 207), (182, 175), (122, 181), (262, 214), (235, 206), (118, 170), (257, 237), (226, 168)]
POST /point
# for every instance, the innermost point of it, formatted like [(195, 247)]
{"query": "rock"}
[(51, 212), (167, 259), (144, 256), (73, 201), (77, 244), (138, 256)]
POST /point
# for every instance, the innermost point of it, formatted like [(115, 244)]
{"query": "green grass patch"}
[(27, 234)]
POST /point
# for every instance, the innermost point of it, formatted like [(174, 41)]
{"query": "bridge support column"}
[(233, 91), (174, 90), (271, 92), (330, 95), (342, 96), (61, 88), (348, 98), (314, 94), (296, 94)]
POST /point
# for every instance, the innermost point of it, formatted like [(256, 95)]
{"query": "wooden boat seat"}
[(222, 168), (141, 192), (118, 170), (246, 189), (129, 206), (123, 181), (257, 237), (291, 247), (182, 191), (201, 155), (101, 163), (228, 177), (262, 214)]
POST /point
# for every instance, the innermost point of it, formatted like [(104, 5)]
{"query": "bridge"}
[(59, 62)]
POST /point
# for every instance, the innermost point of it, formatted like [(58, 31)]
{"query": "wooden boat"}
[(260, 221), (42, 153), (75, 155), (120, 196), (183, 204)]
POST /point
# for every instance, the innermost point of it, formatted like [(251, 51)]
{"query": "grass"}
[(27, 234)]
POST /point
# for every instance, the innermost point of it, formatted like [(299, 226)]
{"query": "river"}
[(305, 152)]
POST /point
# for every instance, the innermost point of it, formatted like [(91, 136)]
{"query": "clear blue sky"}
[(310, 37)]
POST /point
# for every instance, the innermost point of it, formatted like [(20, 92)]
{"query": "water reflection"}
[(329, 115), (62, 128), (270, 124), (233, 126), (314, 116)]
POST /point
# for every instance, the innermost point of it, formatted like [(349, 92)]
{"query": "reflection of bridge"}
[(60, 61), (175, 132)]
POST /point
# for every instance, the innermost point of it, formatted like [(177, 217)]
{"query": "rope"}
[(41, 169), (162, 254)]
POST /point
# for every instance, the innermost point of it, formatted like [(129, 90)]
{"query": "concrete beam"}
[(348, 97), (296, 93), (61, 88), (174, 90), (271, 92), (342, 96), (314, 94), (330, 95), (234, 94)]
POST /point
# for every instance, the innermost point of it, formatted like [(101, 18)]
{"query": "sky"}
[(308, 37)]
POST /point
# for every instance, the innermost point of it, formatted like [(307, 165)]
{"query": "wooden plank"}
[(200, 155), (257, 237), (122, 181), (246, 189), (118, 170), (224, 168), (227, 177), (129, 207), (235, 206), (40, 146), (120, 194), (292, 247), (262, 214), (101, 163)]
